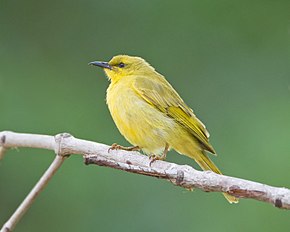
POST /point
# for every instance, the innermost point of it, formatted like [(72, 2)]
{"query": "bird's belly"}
[(139, 122)]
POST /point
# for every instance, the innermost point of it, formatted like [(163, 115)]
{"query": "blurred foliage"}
[(229, 60)]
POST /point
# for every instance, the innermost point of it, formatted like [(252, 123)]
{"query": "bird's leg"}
[(165, 151), (115, 146), (162, 157)]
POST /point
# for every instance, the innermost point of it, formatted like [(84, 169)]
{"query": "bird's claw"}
[(116, 146), (154, 157)]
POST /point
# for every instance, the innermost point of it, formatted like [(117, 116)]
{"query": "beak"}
[(101, 64)]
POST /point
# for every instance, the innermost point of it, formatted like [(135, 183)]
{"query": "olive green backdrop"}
[(229, 60)]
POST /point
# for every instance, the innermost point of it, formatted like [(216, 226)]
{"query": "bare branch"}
[(55, 165), (28, 201), (180, 175)]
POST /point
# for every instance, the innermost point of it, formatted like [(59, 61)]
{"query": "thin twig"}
[(187, 177), (41, 184), (180, 175), (28, 201)]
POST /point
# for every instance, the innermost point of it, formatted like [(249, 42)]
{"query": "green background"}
[(229, 60)]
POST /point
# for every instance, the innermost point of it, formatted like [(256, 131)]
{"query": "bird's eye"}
[(121, 65)]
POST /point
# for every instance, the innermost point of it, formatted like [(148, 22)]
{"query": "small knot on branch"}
[(245, 193), (179, 177), (59, 139), (278, 203), (2, 140), (2, 148)]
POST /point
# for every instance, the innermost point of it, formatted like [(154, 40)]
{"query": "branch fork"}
[(184, 176)]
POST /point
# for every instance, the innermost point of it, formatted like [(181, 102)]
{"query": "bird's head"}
[(123, 66)]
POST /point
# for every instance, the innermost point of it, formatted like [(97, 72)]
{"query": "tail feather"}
[(206, 164)]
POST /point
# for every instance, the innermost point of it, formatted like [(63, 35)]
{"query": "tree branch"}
[(180, 175), (28, 201)]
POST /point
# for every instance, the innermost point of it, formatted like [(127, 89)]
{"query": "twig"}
[(28, 201), (180, 175), (189, 178)]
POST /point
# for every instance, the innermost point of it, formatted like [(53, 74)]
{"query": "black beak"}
[(101, 64)]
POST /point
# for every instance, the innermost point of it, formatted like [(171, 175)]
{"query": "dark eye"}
[(121, 65)]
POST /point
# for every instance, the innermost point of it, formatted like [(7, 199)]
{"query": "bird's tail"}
[(206, 164)]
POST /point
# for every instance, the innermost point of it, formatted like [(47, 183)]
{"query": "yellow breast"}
[(140, 123)]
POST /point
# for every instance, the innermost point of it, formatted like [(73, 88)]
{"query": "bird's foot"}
[(154, 157), (115, 146)]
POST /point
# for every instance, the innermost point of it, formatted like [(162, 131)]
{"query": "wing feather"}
[(160, 94)]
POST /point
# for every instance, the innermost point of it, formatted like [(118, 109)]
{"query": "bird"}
[(152, 116)]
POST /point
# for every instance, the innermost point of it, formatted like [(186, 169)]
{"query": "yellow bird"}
[(151, 115)]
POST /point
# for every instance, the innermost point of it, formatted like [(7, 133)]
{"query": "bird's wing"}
[(160, 94)]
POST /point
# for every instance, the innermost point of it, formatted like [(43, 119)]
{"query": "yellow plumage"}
[(150, 114)]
